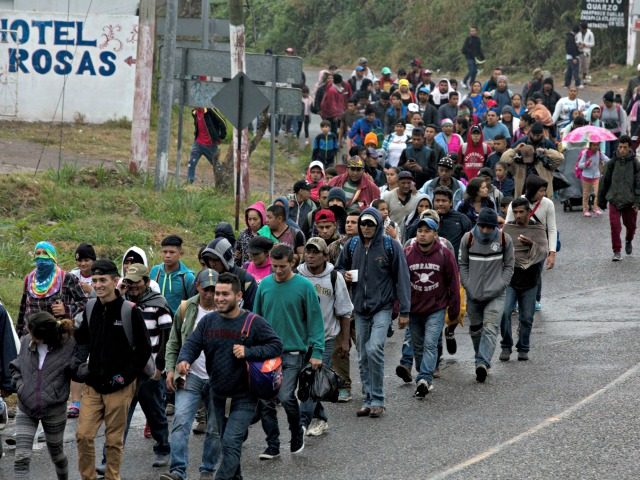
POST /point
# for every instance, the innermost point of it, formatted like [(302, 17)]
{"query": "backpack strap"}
[(89, 308), (246, 327), (127, 325), (334, 276), (182, 309)]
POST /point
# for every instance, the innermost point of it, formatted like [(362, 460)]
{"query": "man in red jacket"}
[(358, 187), (334, 102), (435, 286)]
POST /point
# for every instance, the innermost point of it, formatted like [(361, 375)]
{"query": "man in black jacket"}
[(110, 375), (471, 49), (573, 58), (453, 224), (419, 159)]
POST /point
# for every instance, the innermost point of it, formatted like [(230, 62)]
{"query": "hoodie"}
[(141, 257), (333, 302), (315, 187), (409, 224), (242, 244), (387, 279), (221, 249), (472, 156), (175, 286), (225, 230), (285, 203)]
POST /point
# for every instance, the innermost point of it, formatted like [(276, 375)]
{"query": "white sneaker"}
[(581, 86), (317, 427)]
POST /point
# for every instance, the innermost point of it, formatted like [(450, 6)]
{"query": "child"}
[(305, 118), (329, 173), (315, 178), (260, 264), (590, 161), (85, 256), (325, 145), (42, 373), (504, 206), (255, 217), (390, 227), (503, 180)]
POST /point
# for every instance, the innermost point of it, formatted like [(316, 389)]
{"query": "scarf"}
[(485, 238), (47, 277)]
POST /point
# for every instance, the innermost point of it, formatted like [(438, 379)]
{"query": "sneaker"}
[(538, 306), (376, 412), (102, 468), (147, 431), (616, 257), (523, 356), (269, 454), (404, 373), (581, 86), (173, 476), (436, 373), (297, 442), (505, 354), (317, 429), (344, 395), (597, 212), (628, 248), (450, 340), (586, 213), (312, 425), (200, 428), (161, 461), (42, 437), (481, 373), (422, 389), (73, 410), (390, 331), (170, 410), (11, 411)]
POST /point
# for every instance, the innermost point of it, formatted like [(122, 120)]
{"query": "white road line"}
[(544, 424)]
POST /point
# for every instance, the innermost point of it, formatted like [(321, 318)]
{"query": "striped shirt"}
[(156, 319)]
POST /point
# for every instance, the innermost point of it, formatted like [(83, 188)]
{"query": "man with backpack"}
[(114, 339), (172, 275), (486, 266), (376, 268), (209, 130), (336, 309), (193, 389), (230, 338)]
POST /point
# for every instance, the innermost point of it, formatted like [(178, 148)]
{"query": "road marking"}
[(533, 430)]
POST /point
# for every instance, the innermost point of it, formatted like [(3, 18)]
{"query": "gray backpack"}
[(149, 369)]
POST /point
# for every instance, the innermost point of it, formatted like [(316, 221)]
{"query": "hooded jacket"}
[(334, 102), (621, 183), (137, 251), (221, 249), (315, 188), (409, 223), (387, 279), (472, 156), (242, 244), (174, 286), (285, 203), (457, 187), (225, 230), (333, 302)]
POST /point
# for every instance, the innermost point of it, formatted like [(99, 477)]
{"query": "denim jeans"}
[(573, 70), (187, 403), (312, 409), (470, 77), (425, 332), (235, 428), (292, 363), (371, 335), (527, 307), (407, 350), (197, 150), (484, 321)]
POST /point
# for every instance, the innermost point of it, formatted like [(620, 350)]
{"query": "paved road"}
[(567, 413)]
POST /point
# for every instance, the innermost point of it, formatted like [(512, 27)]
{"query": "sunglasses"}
[(356, 169), (367, 223)]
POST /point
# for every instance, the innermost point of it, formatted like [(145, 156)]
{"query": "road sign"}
[(240, 101)]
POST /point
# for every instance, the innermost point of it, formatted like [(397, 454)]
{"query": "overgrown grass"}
[(107, 208)]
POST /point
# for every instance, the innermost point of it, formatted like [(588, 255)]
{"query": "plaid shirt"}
[(71, 295)]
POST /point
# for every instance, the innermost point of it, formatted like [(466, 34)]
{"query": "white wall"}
[(90, 54), (110, 7)]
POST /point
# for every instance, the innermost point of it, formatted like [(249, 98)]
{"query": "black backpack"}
[(219, 124)]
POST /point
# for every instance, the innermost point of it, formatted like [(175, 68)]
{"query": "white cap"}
[(413, 107)]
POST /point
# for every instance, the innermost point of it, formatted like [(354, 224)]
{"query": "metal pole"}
[(205, 24), (141, 118), (272, 126), (182, 93), (166, 94), (239, 156)]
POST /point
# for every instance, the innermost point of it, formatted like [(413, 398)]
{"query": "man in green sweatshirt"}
[(289, 302)]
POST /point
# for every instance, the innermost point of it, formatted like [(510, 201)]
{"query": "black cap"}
[(476, 129), (446, 162), (104, 266), (84, 251), (405, 174), (487, 218), (537, 128), (486, 172)]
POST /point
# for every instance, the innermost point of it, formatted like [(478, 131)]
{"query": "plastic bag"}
[(321, 384)]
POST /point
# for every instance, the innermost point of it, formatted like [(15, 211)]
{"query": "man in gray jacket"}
[(486, 266)]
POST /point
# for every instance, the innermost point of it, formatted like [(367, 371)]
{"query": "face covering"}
[(485, 238), (45, 267)]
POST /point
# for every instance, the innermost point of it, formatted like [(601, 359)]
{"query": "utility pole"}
[(237, 44), (165, 94)]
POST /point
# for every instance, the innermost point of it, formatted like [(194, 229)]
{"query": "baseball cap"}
[(318, 243), (476, 129), (428, 222), (403, 82), (416, 62), (136, 272), (405, 174), (446, 162), (362, 60), (413, 107), (301, 185), (426, 71), (368, 216), (486, 172), (209, 277), (104, 267), (324, 215), (386, 71), (359, 68), (355, 162), (424, 90)]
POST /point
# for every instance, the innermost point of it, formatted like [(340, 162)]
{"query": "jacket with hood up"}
[(242, 244), (473, 155), (315, 188), (140, 257), (221, 249), (382, 280)]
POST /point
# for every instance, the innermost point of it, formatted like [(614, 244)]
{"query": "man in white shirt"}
[(566, 105), (585, 41)]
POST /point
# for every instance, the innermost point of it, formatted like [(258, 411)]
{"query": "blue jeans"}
[(425, 332), (187, 403), (573, 70), (312, 409), (472, 68), (235, 429), (197, 150), (527, 301), (371, 335), (291, 365), (407, 350), (484, 320)]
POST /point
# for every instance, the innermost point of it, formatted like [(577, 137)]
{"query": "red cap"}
[(325, 215)]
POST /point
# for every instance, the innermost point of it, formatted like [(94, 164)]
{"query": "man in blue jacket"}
[(173, 276), (375, 267)]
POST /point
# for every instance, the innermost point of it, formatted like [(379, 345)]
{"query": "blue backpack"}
[(265, 376), (388, 246)]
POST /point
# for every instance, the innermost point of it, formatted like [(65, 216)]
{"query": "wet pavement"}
[(569, 412)]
